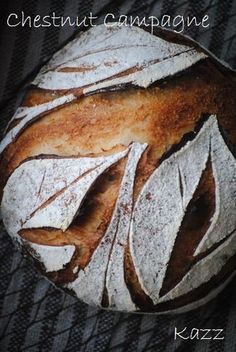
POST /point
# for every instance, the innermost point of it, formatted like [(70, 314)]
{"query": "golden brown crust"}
[(159, 116), (105, 122)]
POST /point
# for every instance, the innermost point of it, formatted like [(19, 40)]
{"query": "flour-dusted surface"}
[(46, 317), (53, 258), (106, 267), (102, 53), (51, 191), (162, 204), (102, 58)]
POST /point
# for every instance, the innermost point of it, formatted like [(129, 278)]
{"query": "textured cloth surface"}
[(34, 314)]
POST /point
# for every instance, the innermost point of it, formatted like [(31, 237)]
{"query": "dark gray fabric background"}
[(36, 316)]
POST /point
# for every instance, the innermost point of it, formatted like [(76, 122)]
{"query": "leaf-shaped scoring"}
[(102, 53), (204, 270), (49, 191), (40, 193), (212, 294), (161, 206), (224, 171), (106, 267)]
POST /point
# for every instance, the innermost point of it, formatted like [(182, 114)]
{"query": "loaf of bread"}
[(118, 171)]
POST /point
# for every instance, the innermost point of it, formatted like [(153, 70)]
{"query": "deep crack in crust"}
[(105, 123)]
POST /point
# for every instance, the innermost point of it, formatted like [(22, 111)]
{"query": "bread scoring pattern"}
[(110, 252), (51, 191), (105, 57), (55, 190), (165, 198), (145, 255)]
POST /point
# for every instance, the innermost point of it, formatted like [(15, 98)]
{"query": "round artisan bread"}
[(118, 171)]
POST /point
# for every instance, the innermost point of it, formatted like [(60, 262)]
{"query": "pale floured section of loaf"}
[(56, 189), (48, 192), (155, 72), (224, 171), (60, 212), (164, 199), (53, 258), (97, 57), (106, 267)]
